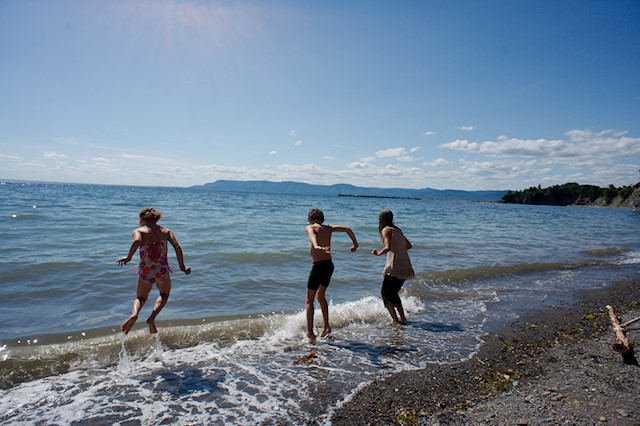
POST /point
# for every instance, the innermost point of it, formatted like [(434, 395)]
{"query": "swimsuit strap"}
[(155, 233), (155, 250)]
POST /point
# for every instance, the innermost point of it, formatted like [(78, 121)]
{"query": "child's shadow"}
[(435, 327), (373, 352), (184, 382), (629, 358)]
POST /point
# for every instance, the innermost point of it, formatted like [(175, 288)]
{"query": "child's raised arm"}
[(386, 239), (349, 232)]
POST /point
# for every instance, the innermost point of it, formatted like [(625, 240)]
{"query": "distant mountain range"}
[(266, 187)]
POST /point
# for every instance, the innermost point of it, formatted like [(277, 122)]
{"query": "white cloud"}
[(466, 128), (54, 156), (224, 169), (579, 145), (294, 171), (97, 166), (530, 147), (608, 144), (292, 133), (440, 162), (399, 154), (35, 163), (273, 152), (461, 145), (368, 159), (428, 133), (359, 165), (10, 157), (391, 153), (298, 143), (328, 157)]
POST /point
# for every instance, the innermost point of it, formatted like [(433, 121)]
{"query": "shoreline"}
[(553, 366)]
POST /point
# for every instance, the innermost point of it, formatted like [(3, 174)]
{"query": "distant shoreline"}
[(290, 187), (414, 198), (380, 196)]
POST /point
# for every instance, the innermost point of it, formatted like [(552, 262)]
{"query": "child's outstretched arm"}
[(137, 240), (179, 254), (386, 239), (349, 233)]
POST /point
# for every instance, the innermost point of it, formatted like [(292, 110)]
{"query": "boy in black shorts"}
[(320, 251)]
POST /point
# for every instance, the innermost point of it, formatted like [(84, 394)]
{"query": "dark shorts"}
[(320, 274), (390, 288)]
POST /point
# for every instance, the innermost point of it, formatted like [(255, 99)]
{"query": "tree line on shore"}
[(568, 194)]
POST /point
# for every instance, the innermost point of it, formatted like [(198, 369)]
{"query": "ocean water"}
[(230, 347)]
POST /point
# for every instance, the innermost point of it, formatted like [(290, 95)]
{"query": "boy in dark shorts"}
[(320, 251)]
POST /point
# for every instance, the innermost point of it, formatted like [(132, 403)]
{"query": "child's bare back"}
[(319, 241)]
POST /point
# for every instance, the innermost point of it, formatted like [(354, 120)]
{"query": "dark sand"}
[(554, 367)]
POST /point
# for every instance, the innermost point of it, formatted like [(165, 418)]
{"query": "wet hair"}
[(149, 214), (316, 215), (385, 218)]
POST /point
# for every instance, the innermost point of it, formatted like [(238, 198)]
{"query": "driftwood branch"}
[(622, 344), (629, 322)]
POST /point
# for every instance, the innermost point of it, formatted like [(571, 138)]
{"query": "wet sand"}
[(556, 366)]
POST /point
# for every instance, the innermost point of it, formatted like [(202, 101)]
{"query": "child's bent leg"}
[(392, 312), (403, 319), (324, 307), (311, 295), (390, 288), (142, 293), (165, 289)]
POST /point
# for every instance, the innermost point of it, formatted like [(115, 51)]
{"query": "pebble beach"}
[(555, 366)]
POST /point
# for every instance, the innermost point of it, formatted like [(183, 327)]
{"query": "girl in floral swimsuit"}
[(153, 264), (153, 267)]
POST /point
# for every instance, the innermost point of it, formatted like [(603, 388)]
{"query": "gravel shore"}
[(554, 367)]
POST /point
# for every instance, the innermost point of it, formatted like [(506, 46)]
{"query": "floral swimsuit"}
[(153, 266)]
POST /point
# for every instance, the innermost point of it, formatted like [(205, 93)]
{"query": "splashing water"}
[(125, 366)]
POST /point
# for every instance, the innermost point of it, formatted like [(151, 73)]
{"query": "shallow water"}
[(232, 332)]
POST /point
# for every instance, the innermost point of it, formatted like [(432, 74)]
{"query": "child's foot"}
[(152, 326), (325, 331), (126, 326), (311, 337)]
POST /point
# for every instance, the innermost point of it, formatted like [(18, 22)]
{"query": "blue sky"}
[(441, 94)]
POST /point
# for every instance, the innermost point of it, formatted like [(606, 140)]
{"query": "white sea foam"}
[(631, 257), (253, 380)]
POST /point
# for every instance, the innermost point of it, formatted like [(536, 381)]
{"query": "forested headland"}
[(576, 194)]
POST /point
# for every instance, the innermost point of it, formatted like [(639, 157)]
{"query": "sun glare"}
[(196, 27)]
